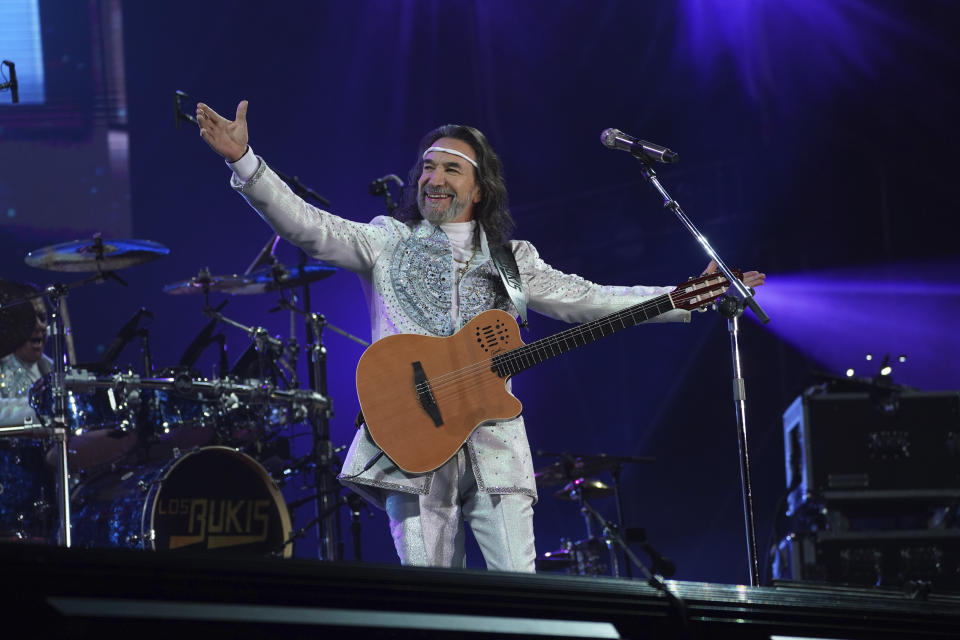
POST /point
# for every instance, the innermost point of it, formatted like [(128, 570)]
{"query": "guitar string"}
[(446, 392), (443, 393), (530, 350), (514, 356)]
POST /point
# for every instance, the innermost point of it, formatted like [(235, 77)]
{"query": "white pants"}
[(428, 530)]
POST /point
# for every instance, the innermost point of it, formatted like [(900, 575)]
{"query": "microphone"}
[(616, 139), (127, 333), (178, 113), (379, 186), (13, 84)]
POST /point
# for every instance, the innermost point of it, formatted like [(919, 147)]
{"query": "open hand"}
[(227, 137), (750, 278)]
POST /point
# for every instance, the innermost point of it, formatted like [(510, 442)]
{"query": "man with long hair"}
[(429, 271)]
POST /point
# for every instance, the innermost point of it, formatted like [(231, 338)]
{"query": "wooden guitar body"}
[(459, 380)]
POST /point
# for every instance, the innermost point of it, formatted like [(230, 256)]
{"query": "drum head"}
[(218, 499)]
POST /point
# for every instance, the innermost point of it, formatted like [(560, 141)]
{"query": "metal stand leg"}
[(740, 403), (59, 420), (63, 482)]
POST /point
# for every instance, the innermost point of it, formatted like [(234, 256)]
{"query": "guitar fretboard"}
[(529, 355)]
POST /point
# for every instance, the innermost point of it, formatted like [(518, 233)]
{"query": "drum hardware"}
[(587, 557), (101, 415), (204, 339), (88, 403), (328, 489), (571, 470), (127, 333), (279, 358), (586, 487), (570, 467), (102, 257), (580, 557), (274, 355)]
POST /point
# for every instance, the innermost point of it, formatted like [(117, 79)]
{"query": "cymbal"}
[(259, 281), (589, 488), (17, 322), (283, 277), (95, 254), (567, 470), (206, 282)]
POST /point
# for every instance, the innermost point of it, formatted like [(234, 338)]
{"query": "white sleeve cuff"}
[(246, 166)]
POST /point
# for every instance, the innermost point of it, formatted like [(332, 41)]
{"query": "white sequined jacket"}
[(15, 384), (406, 270)]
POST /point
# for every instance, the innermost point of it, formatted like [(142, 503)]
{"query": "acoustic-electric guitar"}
[(422, 396)]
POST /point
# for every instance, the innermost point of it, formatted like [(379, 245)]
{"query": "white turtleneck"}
[(461, 242)]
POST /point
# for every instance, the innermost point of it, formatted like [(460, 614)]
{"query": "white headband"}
[(454, 152)]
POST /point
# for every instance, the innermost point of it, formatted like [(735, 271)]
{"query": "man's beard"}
[(436, 216)]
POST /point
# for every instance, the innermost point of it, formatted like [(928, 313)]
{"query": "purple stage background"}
[(817, 142)]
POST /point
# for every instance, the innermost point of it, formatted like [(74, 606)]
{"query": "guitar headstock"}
[(700, 292)]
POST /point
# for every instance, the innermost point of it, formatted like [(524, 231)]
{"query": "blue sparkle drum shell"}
[(100, 419), (213, 499), (26, 486), (171, 421)]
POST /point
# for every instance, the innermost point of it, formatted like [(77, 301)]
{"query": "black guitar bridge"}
[(425, 394)]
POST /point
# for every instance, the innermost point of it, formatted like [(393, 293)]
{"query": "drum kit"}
[(168, 460), (599, 552)]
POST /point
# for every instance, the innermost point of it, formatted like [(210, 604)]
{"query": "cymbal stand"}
[(618, 501), (587, 510), (58, 430), (356, 503), (328, 526), (59, 427), (653, 580), (270, 350)]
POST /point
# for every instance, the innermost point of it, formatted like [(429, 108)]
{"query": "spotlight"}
[(869, 357), (849, 373), (902, 358), (886, 370)]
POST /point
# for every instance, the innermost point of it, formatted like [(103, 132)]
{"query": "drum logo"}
[(220, 522)]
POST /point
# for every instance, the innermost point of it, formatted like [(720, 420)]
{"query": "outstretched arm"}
[(351, 245), (229, 138)]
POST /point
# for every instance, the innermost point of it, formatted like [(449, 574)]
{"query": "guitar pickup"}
[(425, 394)]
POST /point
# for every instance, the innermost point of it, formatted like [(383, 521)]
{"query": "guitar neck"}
[(521, 358)]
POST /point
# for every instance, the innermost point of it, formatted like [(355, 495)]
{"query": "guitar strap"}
[(506, 265)]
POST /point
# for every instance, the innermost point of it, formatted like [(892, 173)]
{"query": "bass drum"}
[(211, 499)]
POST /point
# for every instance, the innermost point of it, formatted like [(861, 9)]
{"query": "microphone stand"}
[(328, 492), (732, 307)]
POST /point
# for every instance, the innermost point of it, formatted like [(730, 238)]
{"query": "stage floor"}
[(81, 593)]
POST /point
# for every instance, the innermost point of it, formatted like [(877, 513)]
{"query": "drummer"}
[(22, 363)]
